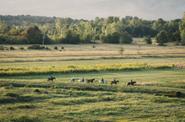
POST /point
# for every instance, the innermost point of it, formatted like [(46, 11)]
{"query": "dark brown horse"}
[(131, 83), (90, 80), (51, 78)]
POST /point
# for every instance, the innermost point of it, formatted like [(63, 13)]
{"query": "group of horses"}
[(114, 81), (93, 80)]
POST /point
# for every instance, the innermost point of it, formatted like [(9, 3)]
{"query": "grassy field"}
[(159, 95)]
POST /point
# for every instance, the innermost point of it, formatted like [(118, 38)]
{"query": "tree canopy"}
[(33, 29)]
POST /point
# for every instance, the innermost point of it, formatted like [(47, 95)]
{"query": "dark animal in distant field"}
[(51, 78), (74, 79), (90, 80), (114, 82), (131, 83)]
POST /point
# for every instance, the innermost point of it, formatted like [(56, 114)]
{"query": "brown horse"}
[(131, 83), (90, 80), (51, 78)]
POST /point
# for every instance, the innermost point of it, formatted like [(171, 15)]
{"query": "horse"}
[(114, 82), (51, 78), (131, 83), (90, 80), (74, 79)]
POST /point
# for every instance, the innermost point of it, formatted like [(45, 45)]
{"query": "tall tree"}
[(182, 30), (162, 37), (34, 35)]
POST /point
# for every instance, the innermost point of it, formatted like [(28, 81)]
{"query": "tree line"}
[(53, 30)]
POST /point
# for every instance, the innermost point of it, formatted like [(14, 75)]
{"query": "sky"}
[(89, 9)]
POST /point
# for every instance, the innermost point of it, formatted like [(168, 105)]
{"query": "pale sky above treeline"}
[(89, 9)]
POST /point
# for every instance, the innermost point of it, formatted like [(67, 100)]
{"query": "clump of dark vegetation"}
[(12, 95), (37, 91), (3, 47), (27, 106), (25, 119), (56, 48), (38, 47), (148, 40), (175, 94), (22, 48), (12, 48), (24, 106), (62, 48)]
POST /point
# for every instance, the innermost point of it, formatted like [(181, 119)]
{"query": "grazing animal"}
[(90, 80), (114, 81), (131, 83), (74, 79), (51, 78)]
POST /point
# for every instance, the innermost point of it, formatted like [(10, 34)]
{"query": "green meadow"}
[(158, 95)]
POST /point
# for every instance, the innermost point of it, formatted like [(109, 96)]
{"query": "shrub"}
[(71, 38), (25, 119), (38, 47), (21, 48), (56, 48), (12, 95), (62, 48), (125, 38), (37, 91), (148, 40), (12, 48), (162, 38), (112, 38), (2, 47), (118, 38)]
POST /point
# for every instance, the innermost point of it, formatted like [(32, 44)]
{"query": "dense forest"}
[(53, 30)]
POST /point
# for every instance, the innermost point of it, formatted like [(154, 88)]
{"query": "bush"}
[(2, 48), (38, 47), (7, 39), (12, 95), (25, 119), (21, 48), (148, 40), (112, 38), (71, 38), (12, 48), (62, 48), (125, 38), (118, 38), (56, 48), (162, 38)]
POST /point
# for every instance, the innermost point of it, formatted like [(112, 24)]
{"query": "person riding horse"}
[(90, 80), (102, 80), (114, 81), (51, 78), (131, 83)]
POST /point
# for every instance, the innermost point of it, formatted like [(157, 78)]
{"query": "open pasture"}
[(159, 93)]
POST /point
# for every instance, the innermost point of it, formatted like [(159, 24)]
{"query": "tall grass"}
[(82, 68)]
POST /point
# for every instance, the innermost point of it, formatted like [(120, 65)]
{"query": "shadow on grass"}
[(15, 98)]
